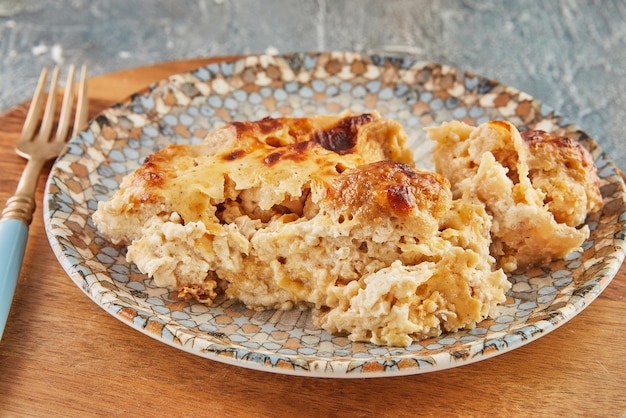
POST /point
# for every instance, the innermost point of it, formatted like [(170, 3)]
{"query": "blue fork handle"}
[(13, 236)]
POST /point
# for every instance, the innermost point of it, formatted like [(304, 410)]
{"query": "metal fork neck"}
[(22, 205)]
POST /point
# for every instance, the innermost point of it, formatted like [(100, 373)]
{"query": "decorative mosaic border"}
[(184, 107)]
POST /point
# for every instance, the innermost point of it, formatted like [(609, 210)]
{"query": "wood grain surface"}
[(62, 355)]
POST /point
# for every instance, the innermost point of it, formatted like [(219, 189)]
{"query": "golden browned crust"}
[(386, 187), (557, 163), (376, 192), (279, 155)]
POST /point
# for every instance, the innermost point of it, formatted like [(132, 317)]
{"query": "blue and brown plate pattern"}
[(185, 107)]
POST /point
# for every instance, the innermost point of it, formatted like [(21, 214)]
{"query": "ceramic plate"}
[(184, 107)]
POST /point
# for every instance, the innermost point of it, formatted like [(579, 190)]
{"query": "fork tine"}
[(32, 117), (66, 107), (48, 114), (81, 103)]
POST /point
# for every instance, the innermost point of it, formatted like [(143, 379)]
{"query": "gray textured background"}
[(569, 54)]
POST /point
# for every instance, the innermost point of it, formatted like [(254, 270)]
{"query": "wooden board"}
[(62, 355)]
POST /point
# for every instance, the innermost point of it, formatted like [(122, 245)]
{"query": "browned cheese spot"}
[(342, 137)]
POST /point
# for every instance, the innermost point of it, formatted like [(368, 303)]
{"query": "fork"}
[(38, 148)]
